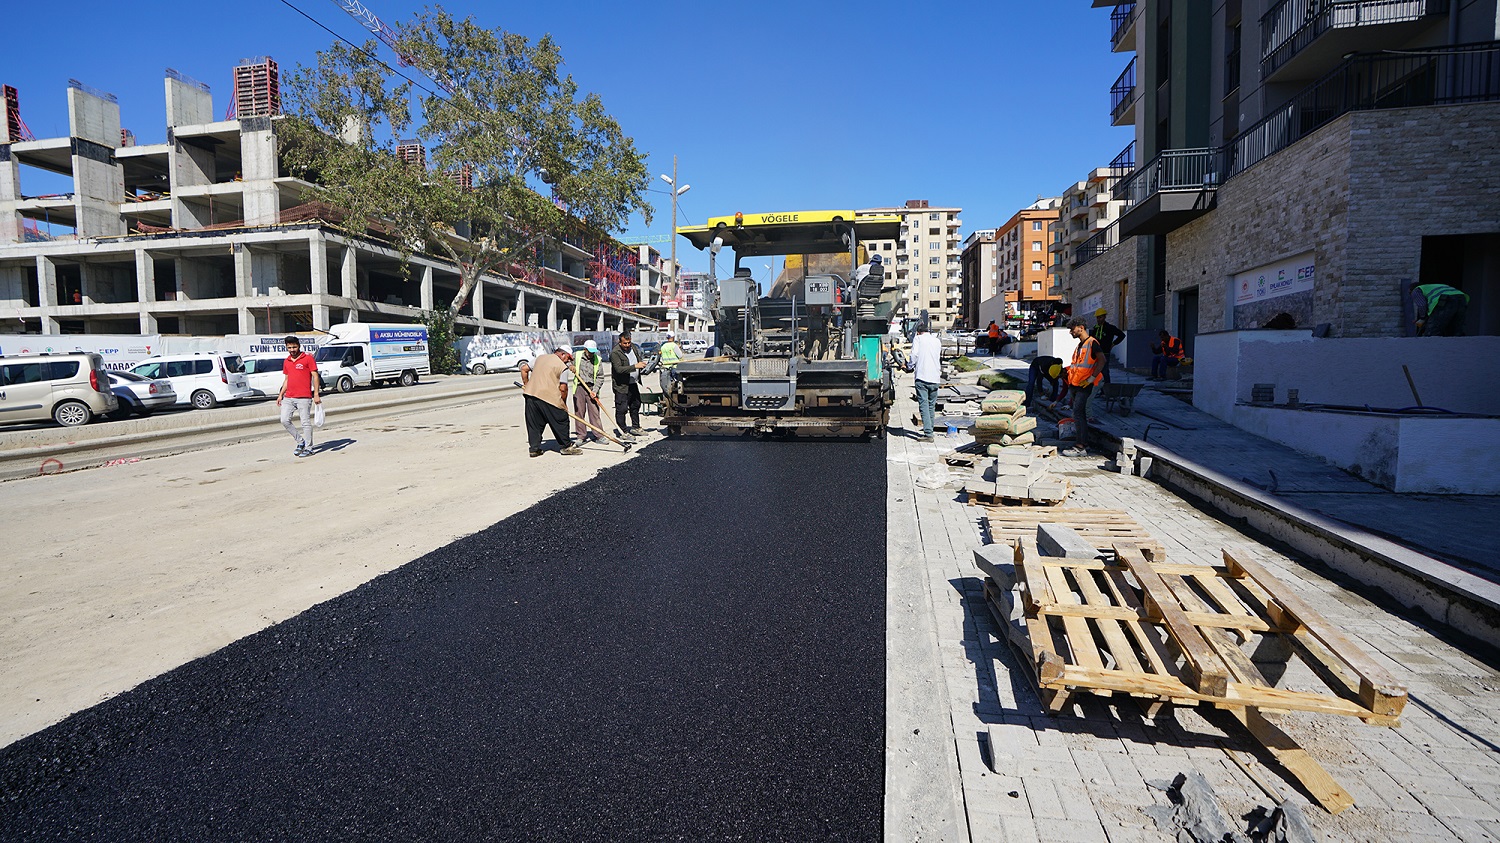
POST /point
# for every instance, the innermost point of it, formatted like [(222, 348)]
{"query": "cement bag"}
[(1023, 439), (1003, 406), (1066, 429), (1004, 424)]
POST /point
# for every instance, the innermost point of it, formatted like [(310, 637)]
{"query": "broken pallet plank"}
[(1208, 672), (1378, 690), (1295, 759)]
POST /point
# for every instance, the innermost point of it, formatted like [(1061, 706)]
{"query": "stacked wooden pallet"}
[(1126, 622)]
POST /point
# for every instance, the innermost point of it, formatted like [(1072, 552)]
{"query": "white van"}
[(71, 388), (203, 379), (264, 374), (364, 354)]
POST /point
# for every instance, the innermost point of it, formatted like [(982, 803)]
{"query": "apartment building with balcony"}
[(207, 233), (1313, 158), (1088, 224), (1023, 261), (927, 260)]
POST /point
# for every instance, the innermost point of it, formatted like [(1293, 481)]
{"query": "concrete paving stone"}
[(1092, 768), (1051, 766), (985, 825), (1076, 831), (1132, 834), (1020, 830), (1447, 805), (1481, 777), (1002, 802), (1395, 794), (1042, 793), (1470, 831)]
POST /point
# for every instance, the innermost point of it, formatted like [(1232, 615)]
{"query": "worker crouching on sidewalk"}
[(585, 389), (546, 395), (1085, 373)]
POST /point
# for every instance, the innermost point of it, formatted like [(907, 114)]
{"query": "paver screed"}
[(689, 646)]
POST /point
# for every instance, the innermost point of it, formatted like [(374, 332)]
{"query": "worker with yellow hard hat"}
[(1044, 371)]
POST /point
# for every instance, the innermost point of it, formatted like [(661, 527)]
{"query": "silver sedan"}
[(140, 395)]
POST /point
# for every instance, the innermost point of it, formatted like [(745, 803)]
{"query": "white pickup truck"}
[(364, 354)]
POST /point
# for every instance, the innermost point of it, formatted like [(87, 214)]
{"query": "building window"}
[(933, 275), (935, 305), (1036, 285), (934, 260), (1036, 266), (1036, 245), (1036, 225), (934, 289), (934, 216)]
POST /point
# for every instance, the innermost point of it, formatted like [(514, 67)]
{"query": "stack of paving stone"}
[(1023, 472), (1003, 420)]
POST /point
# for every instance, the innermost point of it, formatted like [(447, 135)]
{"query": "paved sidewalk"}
[(1463, 530), (1083, 777)]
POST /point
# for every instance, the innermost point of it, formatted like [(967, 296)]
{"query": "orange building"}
[(1021, 255)]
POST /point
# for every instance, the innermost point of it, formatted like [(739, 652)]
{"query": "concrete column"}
[(600, 326), (86, 286), (321, 317), (247, 321), (244, 274), (349, 274), (552, 315), (477, 303), (46, 282), (427, 288), (10, 195), (145, 277), (519, 316), (317, 261), (259, 166), (577, 320), (98, 178)]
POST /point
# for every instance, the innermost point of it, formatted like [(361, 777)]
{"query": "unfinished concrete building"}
[(208, 234)]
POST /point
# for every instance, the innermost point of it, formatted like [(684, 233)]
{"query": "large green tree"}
[(510, 116)]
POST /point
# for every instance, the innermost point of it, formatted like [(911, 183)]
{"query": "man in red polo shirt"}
[(299, 391)]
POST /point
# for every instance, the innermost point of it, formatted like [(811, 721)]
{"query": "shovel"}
[(626, 445)]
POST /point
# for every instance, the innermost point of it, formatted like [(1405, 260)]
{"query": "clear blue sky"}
[(792, 105)]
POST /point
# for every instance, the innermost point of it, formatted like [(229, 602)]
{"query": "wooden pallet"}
[(1101, 527), (1132, 624), (1005, 501)]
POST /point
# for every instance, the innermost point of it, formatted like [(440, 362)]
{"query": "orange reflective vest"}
[(1082, 373), (1172, 348)]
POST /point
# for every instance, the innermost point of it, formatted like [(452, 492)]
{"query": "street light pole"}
[(676, 192)]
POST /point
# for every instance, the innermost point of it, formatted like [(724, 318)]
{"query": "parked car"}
[(202, 379), (649, 348), (505, 359), (694, 346), (71, 389), (263, 373), (139, 395)]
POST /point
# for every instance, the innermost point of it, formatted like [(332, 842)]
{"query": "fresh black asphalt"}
[(690, 646)]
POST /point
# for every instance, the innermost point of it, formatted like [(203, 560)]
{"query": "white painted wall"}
[(1056, 342), (1449, 456), (1450, 372)]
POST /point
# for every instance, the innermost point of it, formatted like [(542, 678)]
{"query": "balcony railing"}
[(1097, 245), (1119, 22), (1122, 93), (1290, 26), (1124, 163), (1175, 170), (1369, 82)]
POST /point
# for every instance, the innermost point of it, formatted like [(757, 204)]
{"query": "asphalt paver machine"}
[(806, 358)]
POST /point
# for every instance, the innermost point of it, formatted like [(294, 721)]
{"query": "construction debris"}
[(1196, 816), (1105, 615)]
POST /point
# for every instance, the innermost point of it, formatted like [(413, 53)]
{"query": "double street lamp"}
[(676, 192)]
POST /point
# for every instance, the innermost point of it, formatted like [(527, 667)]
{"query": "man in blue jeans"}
[(927, 363)]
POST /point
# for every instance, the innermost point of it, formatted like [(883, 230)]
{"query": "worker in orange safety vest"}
[(1085, 373)]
